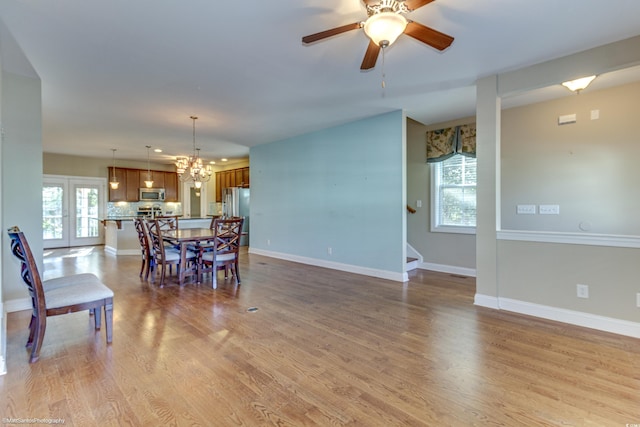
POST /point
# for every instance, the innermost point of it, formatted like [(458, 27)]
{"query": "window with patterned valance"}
[(447, 142)]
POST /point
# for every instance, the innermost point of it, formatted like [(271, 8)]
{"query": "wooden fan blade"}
[(370, 56), (328, 33), (428, 35), (415, 4)]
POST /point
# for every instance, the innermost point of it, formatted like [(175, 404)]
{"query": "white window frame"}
[(435, 206)]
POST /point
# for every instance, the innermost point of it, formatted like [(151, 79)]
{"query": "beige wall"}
[(589, 168), (535, 269), (62, 164)]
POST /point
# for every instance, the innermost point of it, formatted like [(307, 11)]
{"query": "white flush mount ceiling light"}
[(192, 168), (578, 84)]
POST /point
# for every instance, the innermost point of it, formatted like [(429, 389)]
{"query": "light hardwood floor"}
[(323, 348)]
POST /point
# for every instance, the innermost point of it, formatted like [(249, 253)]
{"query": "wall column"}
[(488, 191)]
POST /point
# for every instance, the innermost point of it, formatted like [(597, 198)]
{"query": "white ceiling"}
[(128, 73)]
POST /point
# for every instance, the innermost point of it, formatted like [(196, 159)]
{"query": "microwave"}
[(151, 195)]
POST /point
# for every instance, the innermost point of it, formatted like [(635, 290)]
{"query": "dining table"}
[(185, 237)]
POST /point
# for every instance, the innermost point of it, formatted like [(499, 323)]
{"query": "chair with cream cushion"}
[(62, 295), (164, 256), (223, 250)]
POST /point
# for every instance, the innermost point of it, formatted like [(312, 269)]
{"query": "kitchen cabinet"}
[(132, 179), (245, 177), (231, 178), (156, 176), (170, 187), (133, 176), (120, 193)]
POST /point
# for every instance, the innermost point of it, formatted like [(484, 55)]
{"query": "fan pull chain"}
[(383, 74)]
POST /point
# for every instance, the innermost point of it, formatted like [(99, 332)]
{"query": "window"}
[(453, 195)]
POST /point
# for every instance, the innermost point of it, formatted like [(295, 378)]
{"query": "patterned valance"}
[(444, 143)]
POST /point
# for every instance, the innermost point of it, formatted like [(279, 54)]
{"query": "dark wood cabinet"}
[(156, 176), (231, 178), (133, 176), (170, 187), (120, 193), (245, 177), (132, 179)]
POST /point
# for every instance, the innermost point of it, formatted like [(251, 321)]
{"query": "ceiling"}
[(125, 74)]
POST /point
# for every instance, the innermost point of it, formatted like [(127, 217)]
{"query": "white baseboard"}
[(578, 318), (365, 271), (113, 251), (451, 269), (3, 340), (486, 301), (18, 304)]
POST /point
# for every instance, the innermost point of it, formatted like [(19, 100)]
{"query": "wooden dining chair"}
[(164, 256), (62, 295), (145, 247), (224, 249), (168, 222)]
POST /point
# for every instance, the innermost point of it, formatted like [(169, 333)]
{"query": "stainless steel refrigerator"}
[(235, 202)]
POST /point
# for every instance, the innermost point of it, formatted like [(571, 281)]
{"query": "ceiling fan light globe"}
[(385, 27)]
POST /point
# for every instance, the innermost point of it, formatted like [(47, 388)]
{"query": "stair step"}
[(412, 263)]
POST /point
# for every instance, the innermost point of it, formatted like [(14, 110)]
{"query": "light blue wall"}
[(341, 187)]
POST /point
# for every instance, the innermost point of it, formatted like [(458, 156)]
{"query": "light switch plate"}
[(566, 119)]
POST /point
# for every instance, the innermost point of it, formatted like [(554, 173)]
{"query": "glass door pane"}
[(87, 212), (86, 209), (54, 214), (71, 210)]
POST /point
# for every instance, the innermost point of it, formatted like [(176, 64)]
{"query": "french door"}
[(71, 209)]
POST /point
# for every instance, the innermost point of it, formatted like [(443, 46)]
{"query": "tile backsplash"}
[(115, 209)]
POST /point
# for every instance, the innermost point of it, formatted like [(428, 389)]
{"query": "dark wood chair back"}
[(57, 296), (167, 222), (224, 249), (164, 255), (145, 247)]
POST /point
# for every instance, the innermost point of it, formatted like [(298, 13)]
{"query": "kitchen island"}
[(121, 237)]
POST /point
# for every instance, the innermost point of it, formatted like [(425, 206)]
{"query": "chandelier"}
[(192, 168)]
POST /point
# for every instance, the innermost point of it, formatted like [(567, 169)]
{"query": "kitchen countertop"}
[(118, 219)]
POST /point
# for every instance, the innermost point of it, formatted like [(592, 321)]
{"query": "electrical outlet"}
[(268, 242), (638, 299), (329, 250), (582, 291)]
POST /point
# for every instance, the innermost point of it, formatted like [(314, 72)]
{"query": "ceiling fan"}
[(384, 25)]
